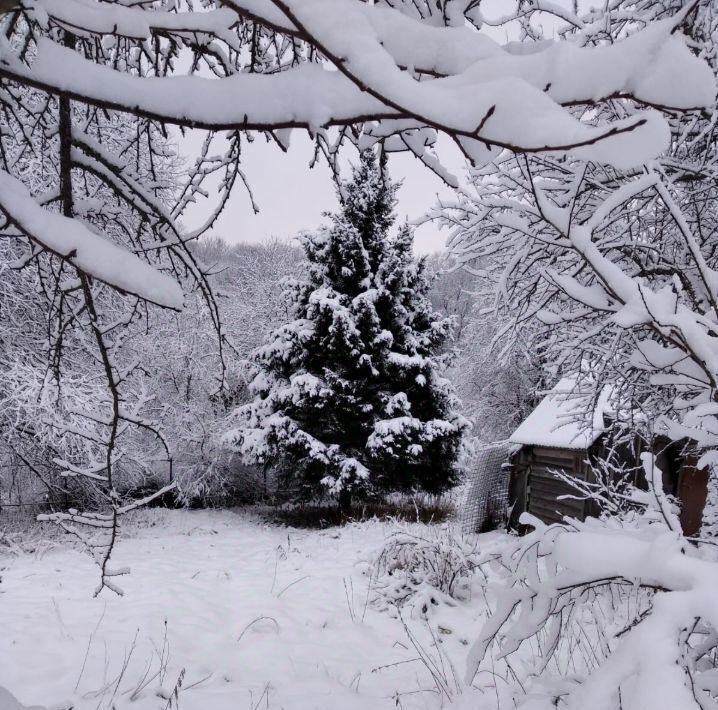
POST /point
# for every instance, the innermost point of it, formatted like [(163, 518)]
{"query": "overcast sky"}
[(291, 197)]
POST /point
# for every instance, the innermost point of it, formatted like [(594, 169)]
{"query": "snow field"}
[(258, 616)]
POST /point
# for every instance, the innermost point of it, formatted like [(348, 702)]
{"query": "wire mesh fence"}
[(486, 501)]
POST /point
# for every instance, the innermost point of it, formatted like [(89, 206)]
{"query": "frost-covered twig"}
[(100, 544)]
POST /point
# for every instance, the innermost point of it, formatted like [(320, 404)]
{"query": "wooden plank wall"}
[(692, 492), (534, 487), (544, 489)]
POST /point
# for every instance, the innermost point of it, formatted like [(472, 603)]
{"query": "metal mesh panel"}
[(487, 494)]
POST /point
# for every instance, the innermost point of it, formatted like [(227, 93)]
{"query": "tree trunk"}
[(345, 502)]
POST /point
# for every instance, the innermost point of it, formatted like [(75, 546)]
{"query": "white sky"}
[(291, 197)]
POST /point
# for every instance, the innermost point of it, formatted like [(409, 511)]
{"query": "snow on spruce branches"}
[(349, 394)]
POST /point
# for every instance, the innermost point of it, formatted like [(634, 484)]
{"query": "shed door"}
[(545, 489), (692, 492)]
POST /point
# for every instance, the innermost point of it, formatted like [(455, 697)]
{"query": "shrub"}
[(425, 570)]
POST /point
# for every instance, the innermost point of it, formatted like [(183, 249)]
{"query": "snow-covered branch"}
[(476, 90), (637, 594), (88, 252)]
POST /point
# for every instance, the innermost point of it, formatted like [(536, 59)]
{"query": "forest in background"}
[(186, 370)]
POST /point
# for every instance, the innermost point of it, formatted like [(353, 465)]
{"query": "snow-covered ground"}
[(248, 615)]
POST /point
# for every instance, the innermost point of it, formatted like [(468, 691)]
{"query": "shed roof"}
[(560, 419)]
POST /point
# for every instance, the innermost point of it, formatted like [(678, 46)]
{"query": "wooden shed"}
[(555, 437)]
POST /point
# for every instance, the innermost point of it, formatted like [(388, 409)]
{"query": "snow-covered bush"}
[(617, 613), (425, 570), (21, 535), (196, 380)]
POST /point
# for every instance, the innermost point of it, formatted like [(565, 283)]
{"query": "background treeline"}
[(190, 386)]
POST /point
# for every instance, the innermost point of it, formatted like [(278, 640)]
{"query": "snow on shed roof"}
[(560, 421)]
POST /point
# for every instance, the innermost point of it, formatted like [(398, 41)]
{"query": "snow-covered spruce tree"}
[(349, 394)]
